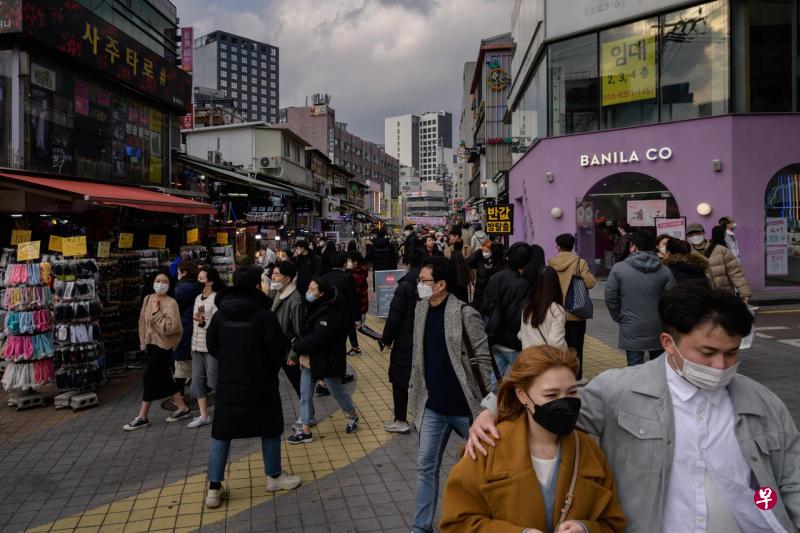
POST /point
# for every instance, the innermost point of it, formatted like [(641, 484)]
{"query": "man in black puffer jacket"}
[(382, 254), (246, 338)]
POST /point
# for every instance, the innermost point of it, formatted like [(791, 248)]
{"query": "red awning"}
[(108, 194)]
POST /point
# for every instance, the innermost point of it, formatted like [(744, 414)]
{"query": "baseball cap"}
[(695, 228)]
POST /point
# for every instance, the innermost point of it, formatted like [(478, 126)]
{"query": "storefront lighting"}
[(16, 215), (556, 212), (277, 237), (258, 236), (43, 216), (703, 209)]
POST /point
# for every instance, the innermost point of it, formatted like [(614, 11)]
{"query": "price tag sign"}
[(125, 240), (222, 238), (103, 249), (56, 244), (74, 246), (157, 241), (20, 235), (192, 236), (27, 251)]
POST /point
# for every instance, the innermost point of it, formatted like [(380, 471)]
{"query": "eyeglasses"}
[(426, 281)]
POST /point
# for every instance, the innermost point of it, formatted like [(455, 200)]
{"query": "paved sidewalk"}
[(67, 471)]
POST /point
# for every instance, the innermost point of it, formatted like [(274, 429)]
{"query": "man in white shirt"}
[(693, 445), (730, 237)]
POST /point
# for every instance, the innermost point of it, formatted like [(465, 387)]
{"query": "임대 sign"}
[(628, 70), (500, 218), (385, 285)]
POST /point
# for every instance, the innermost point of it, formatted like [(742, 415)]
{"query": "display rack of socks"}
[(109, 290), (222, 260), (28, 345)]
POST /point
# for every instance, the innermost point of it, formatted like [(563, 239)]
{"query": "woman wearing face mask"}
[(204, 366), (482, 262), (186, 290), (159, 334), (356, 267), (528, 480)]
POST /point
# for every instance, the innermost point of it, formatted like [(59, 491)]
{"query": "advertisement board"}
[(385, 282), (628, 70), (187, 40), (674, 227), (500, 219), (642, 213)]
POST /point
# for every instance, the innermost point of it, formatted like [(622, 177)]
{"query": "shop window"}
[(628, 74), (574, 85), (782, 228), (530, 115), (695, 62), (6, 157)]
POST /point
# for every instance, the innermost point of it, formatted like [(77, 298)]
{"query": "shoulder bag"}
[(578, 302), (571, 492)]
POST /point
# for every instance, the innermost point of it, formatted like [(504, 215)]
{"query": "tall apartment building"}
[(423, 141), (244, 69)]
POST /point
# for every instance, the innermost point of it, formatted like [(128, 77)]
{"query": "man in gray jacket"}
[(693, 445), (633, 290)]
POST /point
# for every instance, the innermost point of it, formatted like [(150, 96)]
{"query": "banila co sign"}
[(625, 157)]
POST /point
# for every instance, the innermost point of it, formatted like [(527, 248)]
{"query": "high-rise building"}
[(244, 69), (423, 141)]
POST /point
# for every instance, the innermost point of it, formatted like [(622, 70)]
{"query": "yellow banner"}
[(222, 238), (27, 251), (20, 235), (103, 249), (74, 246), (55, 243), (157, 241), (628, 70), (125, 240), (192, 236)]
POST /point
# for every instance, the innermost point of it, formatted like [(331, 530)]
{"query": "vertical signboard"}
[(385, 284), (187, 39)]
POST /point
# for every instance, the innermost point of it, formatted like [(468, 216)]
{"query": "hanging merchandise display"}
[(128, 294), (223, 262)]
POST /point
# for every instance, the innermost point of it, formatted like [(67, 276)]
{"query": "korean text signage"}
[(385, 284), (625, 157), (500, 218), (10, 16), (77, 32), (674, 227), (628, 70), (777, 241), (643, 213), (265, 213), (187, 40)]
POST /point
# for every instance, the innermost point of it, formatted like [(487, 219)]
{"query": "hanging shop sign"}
[(497, 78), (643, 213), (125, 241), (265, 213), (103, 249), (20, 235), (74, 246), (674, 227), (192, 236), (624, 157), (222, 237), (500, 219), (79, 33), (55, 244), (157, 241), (187, 41), (628, 70), (28, 251)]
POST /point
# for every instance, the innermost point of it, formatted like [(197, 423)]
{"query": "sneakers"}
[(300, 438), (395, 426), (298, 426), (198, 422), (285, 481), (214, 497), (355, 350), (352, 424), (136, 423), (179, 415), (348, 378), (322, 390)]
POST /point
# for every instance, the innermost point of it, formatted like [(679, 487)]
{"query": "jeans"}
[(204, 373), (504, 360), (636, 357), (337, 390), (434, 433), (574, 335), (218, 457)]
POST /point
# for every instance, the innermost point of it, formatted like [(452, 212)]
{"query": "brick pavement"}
[(81, 472)]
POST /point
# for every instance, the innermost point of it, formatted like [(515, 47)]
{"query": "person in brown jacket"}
[(526, 482), (724, 269), (567, 263), (160, 332)]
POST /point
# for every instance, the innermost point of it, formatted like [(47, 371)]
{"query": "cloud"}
[(376, 58)]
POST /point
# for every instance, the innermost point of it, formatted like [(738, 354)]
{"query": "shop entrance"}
[(625, 198), (782, 220)]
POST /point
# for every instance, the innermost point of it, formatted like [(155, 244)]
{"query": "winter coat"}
[(199, 331), (477, 239), (484, 269), (462, 274), (246, 338), (633, 290), (399, 328), (308, 266), (568, 264), (360, 275), (346, 289), (726, 272), (161, 328), (382, 255), (686, 267), (325, 257), (550, 332), (323, 339), (409, 244), (290, 308), (503, 299), (185, 293), (622, 248)]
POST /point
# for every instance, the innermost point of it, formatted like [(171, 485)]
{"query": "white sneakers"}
[(198, 422), (285, 481), (396, 426), (214, 497)]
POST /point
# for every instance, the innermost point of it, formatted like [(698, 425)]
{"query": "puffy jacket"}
[(290, 308), (726, 272), (399, 328), (484, 269), (323, 339), (687, 267), (185, 293), (567, 264), (633, 290), (382, 255), (308, 266), (199, 332), (505, 294), (345, 287), (550, 332)]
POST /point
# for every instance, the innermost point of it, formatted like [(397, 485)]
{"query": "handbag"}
[(571, 492), (578, 302), (473, 358)]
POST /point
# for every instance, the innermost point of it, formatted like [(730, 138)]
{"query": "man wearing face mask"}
[(446, 386), (730, 237), (691, 442), (725, 271), (409, 243), (308, 265)]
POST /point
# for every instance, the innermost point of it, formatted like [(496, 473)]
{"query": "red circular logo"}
[(765, 498)]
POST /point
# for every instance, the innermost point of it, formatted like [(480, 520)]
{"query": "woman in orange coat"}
[(530, 481)]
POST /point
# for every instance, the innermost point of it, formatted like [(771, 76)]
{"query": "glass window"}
[(235, 66), (694, 62), (264, 64), (6, 62), (529, 120), (223, 73), (628, 74), (781, 210), (286, 148), (223, 46), (272, 67), (223, 83), (235, 94), (234, 76), (223, 55), (273, 102), (223, 64), (234, 85), (245, 70), (574, 85), (244, 78), (263, 91)]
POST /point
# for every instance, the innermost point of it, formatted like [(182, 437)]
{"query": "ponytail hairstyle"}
[(530, 364)]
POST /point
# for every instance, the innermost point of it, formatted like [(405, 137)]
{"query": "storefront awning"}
[(305, 193), (353, 207), (231, 176), (110, 195)]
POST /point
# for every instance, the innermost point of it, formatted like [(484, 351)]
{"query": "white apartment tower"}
[(422, 141)]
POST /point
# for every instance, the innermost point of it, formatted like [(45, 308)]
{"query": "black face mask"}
[(559, 416)]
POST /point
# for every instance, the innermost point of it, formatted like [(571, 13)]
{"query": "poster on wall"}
[(776, 230), (584, 214), (628, 70), (674, 227), (777, 260), (385, 282), (643, 213)]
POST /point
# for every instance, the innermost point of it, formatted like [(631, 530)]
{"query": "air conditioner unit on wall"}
[(269, 162)]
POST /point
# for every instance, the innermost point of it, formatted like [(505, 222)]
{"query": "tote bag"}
[(578, 302)]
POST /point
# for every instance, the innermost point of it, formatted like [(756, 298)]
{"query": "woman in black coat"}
[(247, 340), (483, 262), (322, 352), (186, 291)]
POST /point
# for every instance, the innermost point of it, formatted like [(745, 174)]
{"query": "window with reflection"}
[(695, 62), (574, 87), (629, 74)]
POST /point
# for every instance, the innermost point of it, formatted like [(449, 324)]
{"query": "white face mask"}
[(424, 291), (487, 255), (349, 265), (160, 288), (277, 285), (704, 377), (697, 239)]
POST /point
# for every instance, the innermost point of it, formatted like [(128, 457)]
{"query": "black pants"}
[(293, 373), (400, 395), (574, 333)]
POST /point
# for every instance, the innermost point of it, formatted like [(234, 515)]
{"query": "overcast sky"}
[(376, 58)]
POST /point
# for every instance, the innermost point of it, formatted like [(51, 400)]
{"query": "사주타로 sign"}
[(500, 218)]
